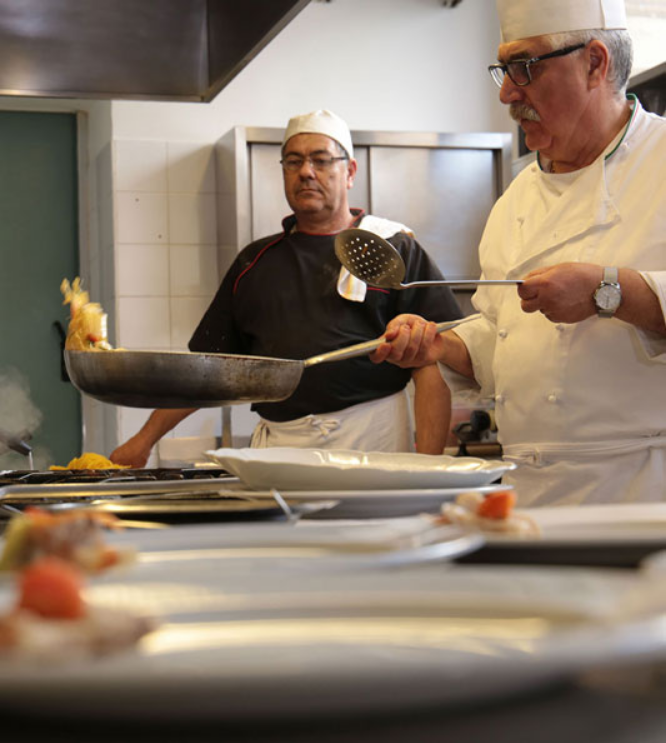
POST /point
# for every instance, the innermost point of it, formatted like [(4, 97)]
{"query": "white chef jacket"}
[(581, 408)]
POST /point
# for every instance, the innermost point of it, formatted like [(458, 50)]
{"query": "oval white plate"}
[(241, 644), (341, 469)]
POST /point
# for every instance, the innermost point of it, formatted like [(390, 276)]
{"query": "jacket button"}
[(499, 399), (552, 398), (503, 333), (559, 327)]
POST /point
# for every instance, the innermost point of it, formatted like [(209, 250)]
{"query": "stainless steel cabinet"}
[(441, 185)]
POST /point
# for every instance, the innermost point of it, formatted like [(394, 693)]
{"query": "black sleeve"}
[(217, 332), (436, 303)]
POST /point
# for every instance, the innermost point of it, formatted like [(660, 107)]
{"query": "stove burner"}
[(50, 477)]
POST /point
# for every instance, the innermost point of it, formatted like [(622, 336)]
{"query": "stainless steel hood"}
[(169, 50)]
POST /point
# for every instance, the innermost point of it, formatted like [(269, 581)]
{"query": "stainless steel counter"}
[(629, 707)]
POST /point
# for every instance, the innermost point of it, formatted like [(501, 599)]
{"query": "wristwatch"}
[(608, 294)]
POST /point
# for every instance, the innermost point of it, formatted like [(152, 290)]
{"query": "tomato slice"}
[(497, 505), (51, 588)]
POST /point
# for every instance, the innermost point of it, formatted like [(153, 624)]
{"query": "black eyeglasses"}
[(293, 163), (518, 70)]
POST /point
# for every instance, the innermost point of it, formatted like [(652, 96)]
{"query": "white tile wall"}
[(243, 421), (130, 421), (192, 219), (143, 322), (191, 168), (205, 422), (184, 450), (193, 270), (140, 166), (141, 217), (164, 257), (142, 270)]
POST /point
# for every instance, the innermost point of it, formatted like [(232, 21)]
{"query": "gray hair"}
[(620, 48)]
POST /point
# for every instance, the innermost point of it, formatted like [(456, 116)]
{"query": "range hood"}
[(169, 50)]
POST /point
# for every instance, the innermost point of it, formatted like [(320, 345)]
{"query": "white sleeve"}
[(479, 336), (654, 344)]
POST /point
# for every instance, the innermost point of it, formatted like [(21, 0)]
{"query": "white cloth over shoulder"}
[(349, 286), (378, 425)]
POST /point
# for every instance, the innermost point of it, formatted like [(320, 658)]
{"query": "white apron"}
[(378, 425), (581, 408)]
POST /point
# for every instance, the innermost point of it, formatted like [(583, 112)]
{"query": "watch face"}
[(607, 297)]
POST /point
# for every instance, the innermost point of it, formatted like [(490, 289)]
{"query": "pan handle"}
[(361, 349)]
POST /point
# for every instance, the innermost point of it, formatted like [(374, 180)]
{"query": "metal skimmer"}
[(374, 260)]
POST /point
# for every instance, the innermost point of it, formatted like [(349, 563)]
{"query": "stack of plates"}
[(366, 484)]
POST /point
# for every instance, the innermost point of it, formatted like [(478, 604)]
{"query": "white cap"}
[(320, 122), (520, 19)]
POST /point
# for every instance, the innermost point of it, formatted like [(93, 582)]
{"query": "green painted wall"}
[(38, 248)]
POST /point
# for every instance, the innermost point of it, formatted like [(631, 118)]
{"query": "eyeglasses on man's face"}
[(518, 70), (321, 163)]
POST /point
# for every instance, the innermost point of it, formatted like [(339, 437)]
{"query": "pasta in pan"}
[(87, 329)]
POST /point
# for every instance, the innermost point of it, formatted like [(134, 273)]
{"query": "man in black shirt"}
[(287, 296)]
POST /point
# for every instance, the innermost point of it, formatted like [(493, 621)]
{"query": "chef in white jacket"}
[(575, 358)]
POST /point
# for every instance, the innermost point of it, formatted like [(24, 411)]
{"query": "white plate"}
[(241, 645), (305, 546), (361, 504), (612, 523), (340, 469), (610, 535)]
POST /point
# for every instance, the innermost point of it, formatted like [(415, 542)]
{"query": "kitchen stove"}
[(167, 495), (51, 477), (25, 487)]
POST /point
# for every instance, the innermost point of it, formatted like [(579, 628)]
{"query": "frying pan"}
[(180, 379)]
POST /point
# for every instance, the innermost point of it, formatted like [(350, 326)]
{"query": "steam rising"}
[(18, 415)]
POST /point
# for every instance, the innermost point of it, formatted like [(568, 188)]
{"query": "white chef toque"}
[(520, 19), (320, 122)]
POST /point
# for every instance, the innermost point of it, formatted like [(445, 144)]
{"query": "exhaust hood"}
[(168, 50)]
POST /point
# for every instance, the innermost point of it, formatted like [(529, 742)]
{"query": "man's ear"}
[(598, 58), (352, 166)]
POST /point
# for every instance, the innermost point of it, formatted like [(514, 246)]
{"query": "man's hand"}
[(411, 342), (563, 293), (133, 453), (136, 451)]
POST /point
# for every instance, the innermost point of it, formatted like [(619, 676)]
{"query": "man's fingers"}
[(381, 353), (403, 348), (529, 305), (430, 333), (528, 290)]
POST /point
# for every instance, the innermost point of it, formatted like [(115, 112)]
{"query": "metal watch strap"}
[(611, 275)]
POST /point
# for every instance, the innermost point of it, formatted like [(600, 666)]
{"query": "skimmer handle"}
[(362, 349)]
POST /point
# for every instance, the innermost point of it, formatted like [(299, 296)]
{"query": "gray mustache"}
[(520, 111)]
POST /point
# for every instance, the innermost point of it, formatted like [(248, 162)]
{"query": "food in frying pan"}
[(493, 512), (87, 323), (90, 461), (75, 537), (52, 621)]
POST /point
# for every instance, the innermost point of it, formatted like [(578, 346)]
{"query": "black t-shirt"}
[(280, 299)]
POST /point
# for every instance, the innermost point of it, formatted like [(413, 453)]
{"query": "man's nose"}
[(510, 92), (307, 169)]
